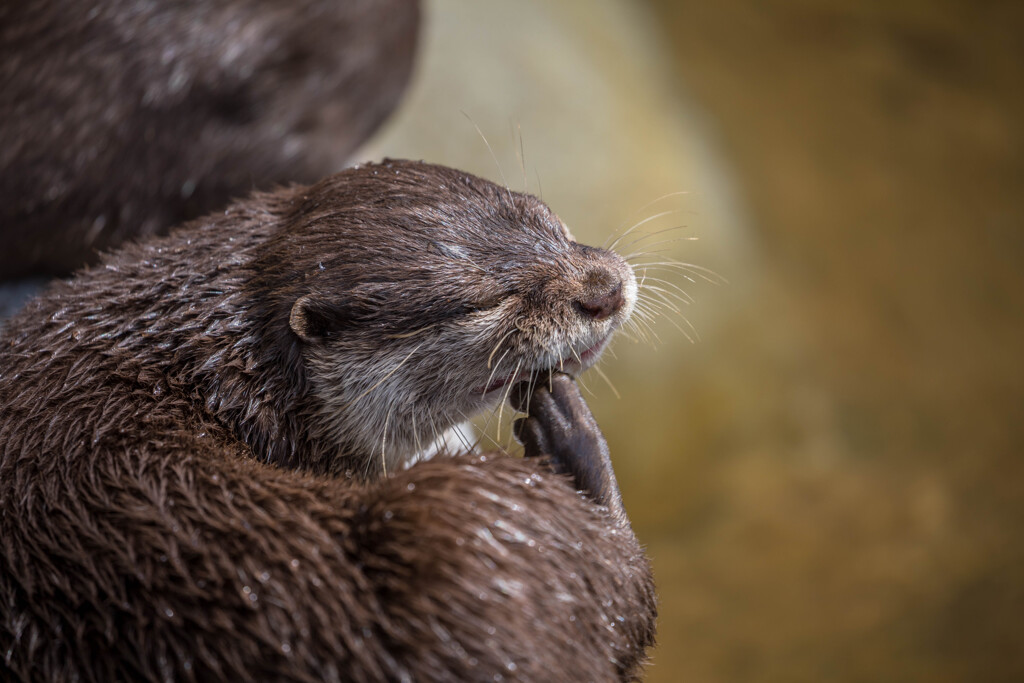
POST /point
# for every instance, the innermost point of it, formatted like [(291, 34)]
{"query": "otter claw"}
[(559, 425)]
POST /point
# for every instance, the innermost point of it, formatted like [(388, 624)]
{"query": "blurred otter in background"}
[(121, 118)]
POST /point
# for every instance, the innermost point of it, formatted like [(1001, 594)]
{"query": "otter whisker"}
[(483, 434), (384, 441), (576, 355), (633, 227), (522, 157), (493, 155), (406, 335), (643, 332), (494, 411), (583, 384), (490, 378), (681, 293), (498, 345), (655, 291), (619, 234), (416, 434), (672, 264), (438, 438), (384, 378), (664, 196), (666, 304), (655, 302), (629, 333), (685, 334), (639, 239), (647, 315), (611, 386), (508, 390), (462, 439), (650, 248)]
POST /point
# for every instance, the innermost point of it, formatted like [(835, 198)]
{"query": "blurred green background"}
[(830, 482)]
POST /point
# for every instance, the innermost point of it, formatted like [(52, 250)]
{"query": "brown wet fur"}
[(183, 495), (122, 118)]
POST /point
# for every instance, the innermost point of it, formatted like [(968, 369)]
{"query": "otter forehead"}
[(398, 208)]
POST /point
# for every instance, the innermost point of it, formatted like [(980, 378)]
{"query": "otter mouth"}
[(573, 364)]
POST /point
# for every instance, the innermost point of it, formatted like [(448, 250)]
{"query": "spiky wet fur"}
[(193, 440)]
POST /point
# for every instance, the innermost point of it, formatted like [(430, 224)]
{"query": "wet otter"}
[(122, 118), (196, 431)]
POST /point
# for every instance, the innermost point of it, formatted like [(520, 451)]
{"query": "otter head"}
[(418, 294)]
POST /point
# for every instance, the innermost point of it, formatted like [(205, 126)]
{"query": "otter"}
[(122, 118), (211, 451)]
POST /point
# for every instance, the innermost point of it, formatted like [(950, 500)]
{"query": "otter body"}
[(205, 443), (122, 118)]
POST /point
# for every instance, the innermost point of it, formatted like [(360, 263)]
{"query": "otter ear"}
[(314, 320)]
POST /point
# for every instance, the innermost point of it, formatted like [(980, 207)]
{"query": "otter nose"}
[(603, 305)]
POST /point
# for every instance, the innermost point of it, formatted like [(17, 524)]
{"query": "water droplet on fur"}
[(388, 514), (246, 590), (264, 577), (411, 487), (491, 630), (253, 597), (511, 666), (294, 564), (169, 612), (572, 617), (163, 558)]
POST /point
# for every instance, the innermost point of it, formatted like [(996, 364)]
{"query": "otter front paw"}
[(559, 425)]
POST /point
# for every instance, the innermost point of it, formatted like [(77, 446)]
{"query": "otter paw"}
[(559, 425)]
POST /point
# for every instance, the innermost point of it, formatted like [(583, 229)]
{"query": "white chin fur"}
[(455, 441)]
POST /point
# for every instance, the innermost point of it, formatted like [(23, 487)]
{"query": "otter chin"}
[(212, 443)]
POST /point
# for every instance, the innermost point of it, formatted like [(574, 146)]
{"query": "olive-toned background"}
[(830, 482)]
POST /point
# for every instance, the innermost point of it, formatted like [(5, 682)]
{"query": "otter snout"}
[(602, 305)]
